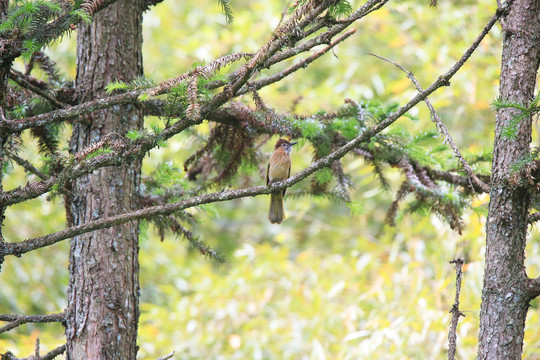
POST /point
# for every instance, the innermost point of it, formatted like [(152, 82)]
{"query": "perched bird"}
[(279, 168)]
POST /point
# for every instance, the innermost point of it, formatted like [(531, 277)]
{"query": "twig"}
[(54, 353), (166, 357), (534, 217), (301, 64), (441, 127), (26, 165), (456, 313), (20, 79), (36, 351), (16, 320), (49, 356), (325, 37)]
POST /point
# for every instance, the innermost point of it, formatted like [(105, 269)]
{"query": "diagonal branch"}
[(26, 165), (301, 64), (441, 127), (326, 36), (22, 80)]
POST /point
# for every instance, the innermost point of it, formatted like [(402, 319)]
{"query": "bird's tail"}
[(276, 213)]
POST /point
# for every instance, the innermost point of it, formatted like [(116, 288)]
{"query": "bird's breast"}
[(279, 168)]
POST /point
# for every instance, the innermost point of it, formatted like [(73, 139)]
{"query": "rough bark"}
[(102, 314), (505, 295)]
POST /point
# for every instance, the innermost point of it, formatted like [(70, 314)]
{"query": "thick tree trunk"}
[(506, 294), (104, 286)]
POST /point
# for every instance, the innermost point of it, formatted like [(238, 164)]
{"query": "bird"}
[(279, 168)]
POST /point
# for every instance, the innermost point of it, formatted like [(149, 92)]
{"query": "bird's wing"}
[(288, 176)]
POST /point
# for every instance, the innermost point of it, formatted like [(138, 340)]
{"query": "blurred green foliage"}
[(331, 282)]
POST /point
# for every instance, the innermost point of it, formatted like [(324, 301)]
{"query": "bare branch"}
[(16, 320), (22, 80), (166, 357), (533, 287), (441, 127), (456, 313), (54, 353), (26, 165), (49, 356), (149, 3)]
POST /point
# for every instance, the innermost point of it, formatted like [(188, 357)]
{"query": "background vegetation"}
[(332, 282)]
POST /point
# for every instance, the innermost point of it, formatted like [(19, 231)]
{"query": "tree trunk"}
[(506, 294), (103, 308)]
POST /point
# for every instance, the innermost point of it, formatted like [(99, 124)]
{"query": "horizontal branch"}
[(68, 113), (17, 320)]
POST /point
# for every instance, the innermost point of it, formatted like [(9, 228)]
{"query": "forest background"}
[(333, 281)]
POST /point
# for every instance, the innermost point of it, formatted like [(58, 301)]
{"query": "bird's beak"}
[(291, 144)]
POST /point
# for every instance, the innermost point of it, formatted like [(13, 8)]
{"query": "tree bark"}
[(506, 295), (103, 293)]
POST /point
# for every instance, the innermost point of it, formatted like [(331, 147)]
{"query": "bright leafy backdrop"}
[(331, 282)]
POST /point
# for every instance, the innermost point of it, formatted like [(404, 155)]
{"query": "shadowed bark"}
[(505, 295), (104, 287)]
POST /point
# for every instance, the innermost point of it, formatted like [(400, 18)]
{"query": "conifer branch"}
[(56, 28), (121, 154), (325, 37), (301, 64), (69, 113)]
